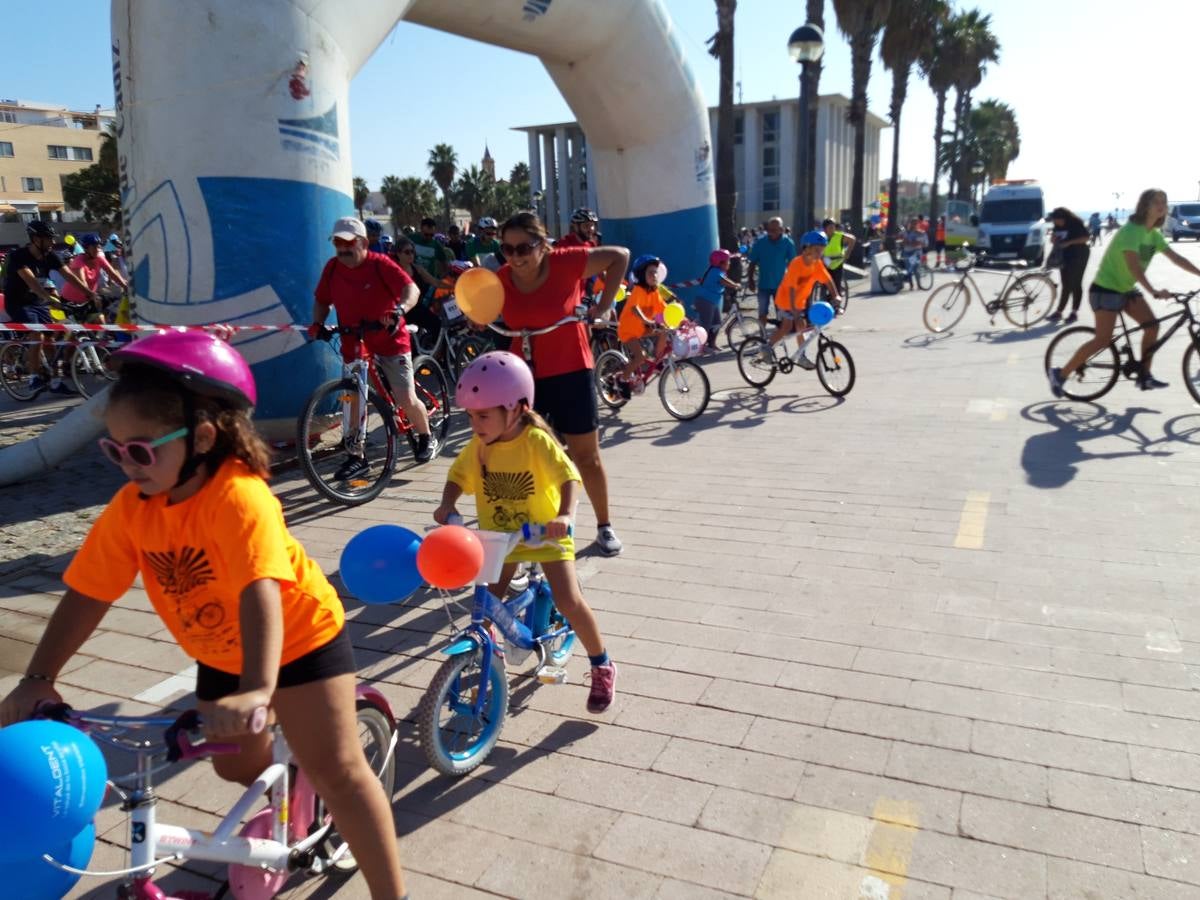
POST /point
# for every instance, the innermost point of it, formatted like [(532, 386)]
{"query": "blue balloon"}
[(820, 313), (379, 565), (36, 879), (55, 776)]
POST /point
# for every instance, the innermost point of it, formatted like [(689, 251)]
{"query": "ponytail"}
[(531, 419)]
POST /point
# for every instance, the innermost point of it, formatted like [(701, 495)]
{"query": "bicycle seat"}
[(412, 329)]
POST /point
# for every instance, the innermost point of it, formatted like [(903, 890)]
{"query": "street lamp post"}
[(805, 46)]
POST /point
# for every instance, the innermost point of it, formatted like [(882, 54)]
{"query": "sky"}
[(1101, 89)]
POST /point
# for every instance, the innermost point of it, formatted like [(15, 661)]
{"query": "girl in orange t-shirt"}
[(201, 527), (641, 316)]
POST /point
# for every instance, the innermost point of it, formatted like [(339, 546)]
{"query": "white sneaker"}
[(607, 541), (805, 363)]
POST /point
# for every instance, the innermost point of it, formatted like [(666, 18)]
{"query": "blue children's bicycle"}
[(462, 712)]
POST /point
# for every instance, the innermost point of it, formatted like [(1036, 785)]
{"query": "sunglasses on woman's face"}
[(523, 249), (140, 453)]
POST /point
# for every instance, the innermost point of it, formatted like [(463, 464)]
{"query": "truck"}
[(1012, 221)]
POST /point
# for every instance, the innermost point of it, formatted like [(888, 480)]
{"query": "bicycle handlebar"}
[(528, 532), (535, 332)]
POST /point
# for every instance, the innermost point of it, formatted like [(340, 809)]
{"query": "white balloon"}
[(662, 273)]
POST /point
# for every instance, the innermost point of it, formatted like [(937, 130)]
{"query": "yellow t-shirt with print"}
[(517, 482)]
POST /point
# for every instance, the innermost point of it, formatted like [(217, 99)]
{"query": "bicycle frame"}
[(1183, 315)]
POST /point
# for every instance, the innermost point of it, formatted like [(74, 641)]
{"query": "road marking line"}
[(179, 682), (889, 849), (1162, 642), (973, 522)]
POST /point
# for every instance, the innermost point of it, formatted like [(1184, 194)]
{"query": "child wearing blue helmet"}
[(791, 299)]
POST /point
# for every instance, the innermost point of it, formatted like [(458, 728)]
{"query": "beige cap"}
[(348, 228)]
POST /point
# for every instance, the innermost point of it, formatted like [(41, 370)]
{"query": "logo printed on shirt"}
[(180, 573), (507, 485)]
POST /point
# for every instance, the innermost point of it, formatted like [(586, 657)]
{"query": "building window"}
[(6, 116), (770, 127), (57, 151), (6, 148), (83, 153), (770, 196), (739, 129), (32, 185), (770, 162)]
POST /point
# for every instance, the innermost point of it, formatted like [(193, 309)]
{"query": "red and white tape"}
[(143, 329)]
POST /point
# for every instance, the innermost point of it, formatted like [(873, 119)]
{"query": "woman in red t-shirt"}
[(541, 286)]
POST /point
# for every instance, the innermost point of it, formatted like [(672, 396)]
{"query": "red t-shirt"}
[(572, 240), (369, 291), (564, 349)]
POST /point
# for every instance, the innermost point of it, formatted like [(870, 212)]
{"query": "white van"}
[(962, 224), (1012, 221)]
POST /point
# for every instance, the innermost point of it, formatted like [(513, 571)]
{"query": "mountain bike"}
[(357, 414), (294, 831), (1024, 299), (461, 713), (683, 387), (833, 363), (83, 359), (1098, 374), (456, 345)]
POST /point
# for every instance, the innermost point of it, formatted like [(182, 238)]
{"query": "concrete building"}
[(764, 159), (39, 144)]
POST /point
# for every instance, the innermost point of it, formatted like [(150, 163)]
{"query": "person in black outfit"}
[(1071, 238)]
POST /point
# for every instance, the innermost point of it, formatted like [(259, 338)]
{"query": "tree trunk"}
[(860, 76), (815, 10), (726, 182), (955, 156), (939, 122), (899, 89)]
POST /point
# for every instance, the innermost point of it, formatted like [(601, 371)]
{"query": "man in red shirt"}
[(370, 287), (583, 230)]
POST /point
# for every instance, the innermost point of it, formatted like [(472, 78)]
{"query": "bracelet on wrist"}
[(37, 676)]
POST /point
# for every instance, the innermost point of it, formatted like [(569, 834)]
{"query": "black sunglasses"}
[(520, 249)]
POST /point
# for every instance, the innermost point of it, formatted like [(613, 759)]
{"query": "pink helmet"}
[(497, 378), (199, 361), (719, 257)]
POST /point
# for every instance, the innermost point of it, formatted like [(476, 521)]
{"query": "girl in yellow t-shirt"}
[(641, 316), (201, 527), (520, 474)]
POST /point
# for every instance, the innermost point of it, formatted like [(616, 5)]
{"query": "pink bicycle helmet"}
[(497, 378), (719, 257), (201, 362)]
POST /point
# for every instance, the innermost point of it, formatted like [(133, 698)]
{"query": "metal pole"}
[(803, 214)]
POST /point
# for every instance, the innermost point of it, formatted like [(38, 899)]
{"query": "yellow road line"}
[(973, 522), (889, 849)]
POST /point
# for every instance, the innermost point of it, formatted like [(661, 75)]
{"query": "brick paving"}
[(934, 641)]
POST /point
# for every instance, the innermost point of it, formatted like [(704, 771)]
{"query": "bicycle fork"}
[(354, 414)]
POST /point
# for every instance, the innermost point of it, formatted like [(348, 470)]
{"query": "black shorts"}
[(568, 402), (939, 246), (34, 315), (333, 659)]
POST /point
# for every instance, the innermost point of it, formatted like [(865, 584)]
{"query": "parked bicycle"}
[(1099, 373), (462, 712), (893, 278), (456, 344), (833, 363), (683, 387), (1025, 299), (293, 832), (358, 414)]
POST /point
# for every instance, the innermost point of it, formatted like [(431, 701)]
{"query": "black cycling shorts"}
[(568, 402), (333, 659)]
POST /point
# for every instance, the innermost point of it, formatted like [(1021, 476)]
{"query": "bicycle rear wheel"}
[(429, 381), (1028, 299), (946, 306), (456, 740), (89, 369), (608, 365), (891, 279), (1096, 376), (1191, 371), (15, 375), (755, 370), (835, 368), (740, 328), (326, 434), (684, 390), (924, 276)]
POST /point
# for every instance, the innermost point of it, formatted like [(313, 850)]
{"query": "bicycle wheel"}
[(740, 328), (456, 740), (89, 369), (946, 306), (1028, 299), (684, 390), (755, 370), (924, 276), (835, 368), (324, 435), (1191, 371), (891, 279), (1096, 376), (15, 373), (608, 366), (466, 348), (430, 383), (426, 344)]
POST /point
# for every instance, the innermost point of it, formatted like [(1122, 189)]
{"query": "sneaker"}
[(1054, 317), (805, 363), (1056, 382), (604, 687), (353, 467), (607, 541), (624, 389), (36, 382), (1150, 383), (1071, 317), (426, 447), (58, 386)]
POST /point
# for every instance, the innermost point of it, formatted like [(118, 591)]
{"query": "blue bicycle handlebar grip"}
[(529, 532)]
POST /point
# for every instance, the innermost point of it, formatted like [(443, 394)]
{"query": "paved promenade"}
[(938, 640)]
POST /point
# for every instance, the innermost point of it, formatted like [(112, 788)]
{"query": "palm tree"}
[(908, 35), (443, 165), (977, 46), (990, 140), (474, 191), (410, 199), (720, 46), (938, 67), (520, 175), (860, 22), (814, 13), (361, 193)]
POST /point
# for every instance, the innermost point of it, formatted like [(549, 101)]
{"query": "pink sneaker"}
[(604, 687)]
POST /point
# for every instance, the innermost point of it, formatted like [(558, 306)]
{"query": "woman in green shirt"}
[(1114, 289)]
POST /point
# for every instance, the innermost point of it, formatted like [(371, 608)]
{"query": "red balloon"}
[(450, 557)]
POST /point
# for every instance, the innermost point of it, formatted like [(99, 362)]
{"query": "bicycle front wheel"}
[(328, 434), (835, 368), (15, 375), (429, 381), (924, 276), (608, 366), (757, 371), (454, 739), (946, 306), (89, 369), (891, 279), (1028, 299), (1096, 376), (684, 390)]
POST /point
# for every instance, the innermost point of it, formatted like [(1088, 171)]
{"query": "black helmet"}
[(583, 214), (38, 228), (373, 227)]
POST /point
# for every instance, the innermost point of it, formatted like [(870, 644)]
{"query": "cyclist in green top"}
[(483, 242), (839, 247), (1114, 289)]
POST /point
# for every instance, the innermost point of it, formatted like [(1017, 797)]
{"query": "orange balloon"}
[(480, 295), (450, 557)]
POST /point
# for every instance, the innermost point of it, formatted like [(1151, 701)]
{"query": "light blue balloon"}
[(36, 879), (379, 565), (53, 777), (820, 313)]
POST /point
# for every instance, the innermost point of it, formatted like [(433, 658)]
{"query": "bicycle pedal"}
[(552, 675)]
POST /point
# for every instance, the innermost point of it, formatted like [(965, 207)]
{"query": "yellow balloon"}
[(620, 294), (69, 240), (673, 315), (480, 295)]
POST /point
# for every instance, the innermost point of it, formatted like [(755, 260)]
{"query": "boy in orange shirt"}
[(797, 285)]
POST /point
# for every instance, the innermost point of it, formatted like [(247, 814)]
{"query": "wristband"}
[(34, 676)]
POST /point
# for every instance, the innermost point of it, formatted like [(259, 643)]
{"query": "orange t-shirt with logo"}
[(803, 276), (196, 557), (649, 301)]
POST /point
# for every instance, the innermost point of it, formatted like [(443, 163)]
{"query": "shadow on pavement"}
[(668, 432), (925, 340), (1014, 335)]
